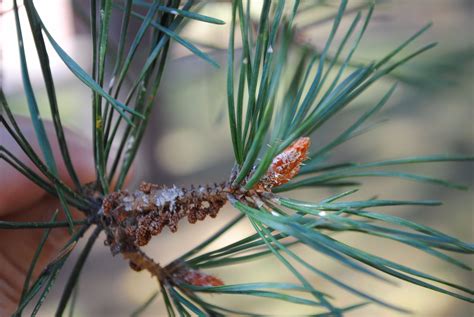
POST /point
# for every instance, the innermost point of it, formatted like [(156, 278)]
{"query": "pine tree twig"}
[(131, 219), (140, 261), (258, 117)]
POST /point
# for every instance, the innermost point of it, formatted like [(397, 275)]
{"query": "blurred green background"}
[(188, 142)]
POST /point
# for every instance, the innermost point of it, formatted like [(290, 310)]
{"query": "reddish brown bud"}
[(285, 165), (197, 278)]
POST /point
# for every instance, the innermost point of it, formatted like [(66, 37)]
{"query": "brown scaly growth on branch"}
[(132, 219), (136, 217)]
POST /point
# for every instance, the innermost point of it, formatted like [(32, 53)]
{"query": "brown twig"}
[(140, 261)]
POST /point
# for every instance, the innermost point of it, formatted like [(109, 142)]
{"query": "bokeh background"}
[(188, 142)]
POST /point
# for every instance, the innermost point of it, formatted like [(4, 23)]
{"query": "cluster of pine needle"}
[(271, 121)]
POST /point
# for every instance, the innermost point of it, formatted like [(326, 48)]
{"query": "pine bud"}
[(285, 165), (197, 278)]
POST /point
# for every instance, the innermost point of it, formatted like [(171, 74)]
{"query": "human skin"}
[(22, 200)]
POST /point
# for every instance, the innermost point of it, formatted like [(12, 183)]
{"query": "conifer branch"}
[(271, 124)]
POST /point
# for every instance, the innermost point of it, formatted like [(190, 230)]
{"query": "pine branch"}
[(271, 123)]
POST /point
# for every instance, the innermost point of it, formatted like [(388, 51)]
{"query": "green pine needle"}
[(271, 103)]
